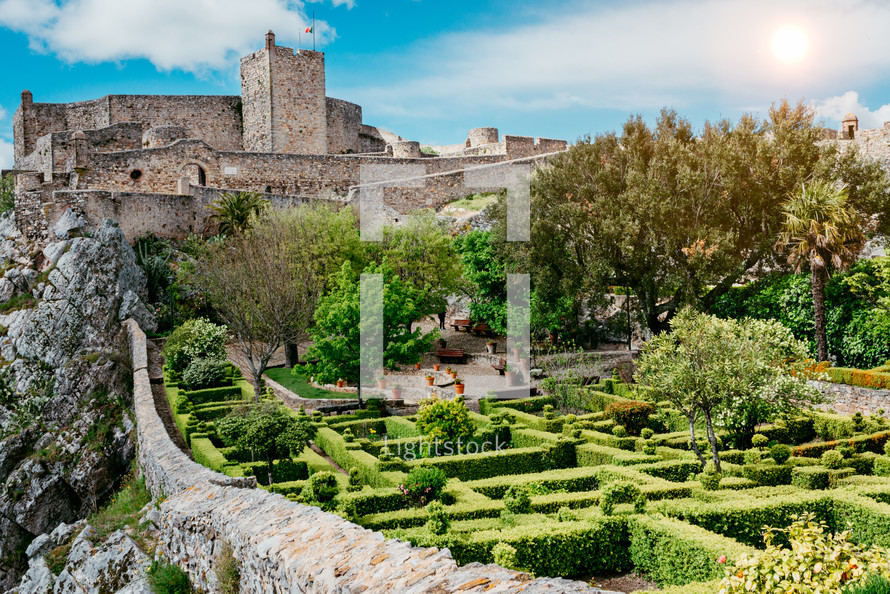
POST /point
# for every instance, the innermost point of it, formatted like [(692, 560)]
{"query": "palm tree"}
[(233, 211), (820, 230)]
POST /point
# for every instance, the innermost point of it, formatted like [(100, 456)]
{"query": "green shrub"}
[(832, 459), (617, 492), (355, 480), (768, 475), (505, 556), (195, 339), (445, 420), (816, 562), (672, 552), (780, 453), (710, 478), (197, 397), (423, 485), (517, 499), (565, 514), (872, 584), (167, 578), (647, 433), (322, 488), (205, 373), (438, 522), (619, 431), (882, 466), (753, 457), (759, 440), (810, 477), (631, 414)]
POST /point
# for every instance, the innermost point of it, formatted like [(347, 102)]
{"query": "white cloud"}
[(183, 34), (7, 155), (835, 108), (349, 4), (643, 55)]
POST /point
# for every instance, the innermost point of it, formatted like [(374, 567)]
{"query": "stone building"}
[(154, 162)]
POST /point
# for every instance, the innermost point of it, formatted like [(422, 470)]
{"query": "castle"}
[(154, 162)]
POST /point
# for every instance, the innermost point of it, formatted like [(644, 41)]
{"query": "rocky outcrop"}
[(65, 433), (92, 566)]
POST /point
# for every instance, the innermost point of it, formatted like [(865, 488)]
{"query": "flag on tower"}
[(308, 30)]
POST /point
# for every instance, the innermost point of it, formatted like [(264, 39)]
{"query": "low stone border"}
[(284, 546)]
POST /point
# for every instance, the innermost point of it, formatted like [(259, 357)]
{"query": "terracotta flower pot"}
[(396, 393), (435, 367), (491, 347), (381, 384), (430, 380), (453, 374), (517, 353), (511, 377), (417, 366), (458, 389), (340, 383)]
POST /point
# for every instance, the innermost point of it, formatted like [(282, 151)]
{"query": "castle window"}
[(850, 131), (135, 175)]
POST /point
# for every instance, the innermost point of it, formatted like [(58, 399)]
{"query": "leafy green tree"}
[(262, 285), (268, 431), (820, 230), (606, 211), (233, 212), (337, 330), (485, 274), (736, 373), (421, 253)]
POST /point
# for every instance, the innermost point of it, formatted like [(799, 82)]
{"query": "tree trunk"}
[(819, 281), (712, 439), (269, 461), (291, 354), (692, 443), (258, 384)]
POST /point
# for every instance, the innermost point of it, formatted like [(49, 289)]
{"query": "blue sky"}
[(430, 70)]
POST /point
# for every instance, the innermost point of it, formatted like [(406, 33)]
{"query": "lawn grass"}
[(473, 202), (300, 386)]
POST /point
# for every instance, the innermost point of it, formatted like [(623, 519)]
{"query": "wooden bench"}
[(501, 366), (461, 324), (481, 328), (456, 354), (337, 408)]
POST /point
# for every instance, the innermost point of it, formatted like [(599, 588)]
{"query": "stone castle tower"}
[(283, 94)]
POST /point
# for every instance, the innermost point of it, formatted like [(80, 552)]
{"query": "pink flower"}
[(722, 559)]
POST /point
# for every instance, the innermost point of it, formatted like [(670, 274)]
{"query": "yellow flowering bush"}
[(816, 563)]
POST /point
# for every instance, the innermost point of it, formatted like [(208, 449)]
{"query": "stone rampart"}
[(284, 546)]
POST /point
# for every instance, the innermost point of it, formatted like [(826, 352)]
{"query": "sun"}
[(790, 44)]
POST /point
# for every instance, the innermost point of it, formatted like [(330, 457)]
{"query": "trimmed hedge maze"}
[(675, 532)]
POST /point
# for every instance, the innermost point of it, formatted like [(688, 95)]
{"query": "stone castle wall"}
[(284, 546), (214, 118), (344, 124), (875, 143), (285, 110)]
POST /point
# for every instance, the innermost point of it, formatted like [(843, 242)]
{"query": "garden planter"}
[(517, 353), (458, 389), (511, 377), (435, 367), (381, 384), (429, 380), (453, 374), (341, 383), (491, 347), (417, 366), (396, 393)]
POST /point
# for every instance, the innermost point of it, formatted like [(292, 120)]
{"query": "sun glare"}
[(790, 44)]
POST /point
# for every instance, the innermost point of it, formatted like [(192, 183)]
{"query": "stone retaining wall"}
[(284, 546), (848, 399)]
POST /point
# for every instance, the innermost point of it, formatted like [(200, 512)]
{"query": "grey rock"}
[(133, 307), (37, 580), (69, 225), (8, 230), (39, 545), (7, 289), (63, 531), (53, 252), (118, 562), (66, 584)]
